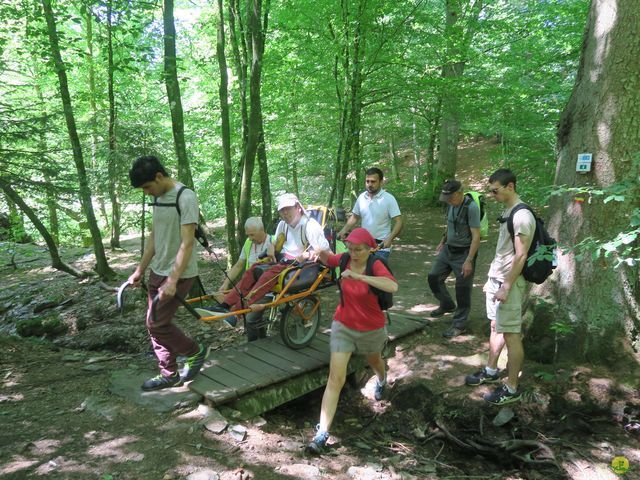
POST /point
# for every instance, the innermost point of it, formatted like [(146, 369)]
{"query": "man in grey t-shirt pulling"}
[(456, 252), (169, 253)]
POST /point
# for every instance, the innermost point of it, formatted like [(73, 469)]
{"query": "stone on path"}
[(126, 383)]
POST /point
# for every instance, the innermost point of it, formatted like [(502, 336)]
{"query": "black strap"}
[(509, 219)]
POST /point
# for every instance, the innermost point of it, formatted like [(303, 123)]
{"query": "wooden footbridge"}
[(258, 376)]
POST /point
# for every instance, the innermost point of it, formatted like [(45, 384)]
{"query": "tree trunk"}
[(458, 37), (255, 36), (241, 62), (94, 118), (102, 266), (56, 261), (394, 159), (48, 172), (265, 184), (598, 295), (112, 159), (417, 173), (173, 94), (226, 140)]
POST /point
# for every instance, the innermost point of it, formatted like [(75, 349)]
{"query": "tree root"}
[(532, 452)]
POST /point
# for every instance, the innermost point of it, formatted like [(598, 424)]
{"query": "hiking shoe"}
[(318, 443), (159, 382), (502, 396), (480, 377), (193, 364), (378, 390), (453, 332), (438, 312)]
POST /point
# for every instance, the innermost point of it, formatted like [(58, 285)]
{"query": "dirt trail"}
[(62, 422)]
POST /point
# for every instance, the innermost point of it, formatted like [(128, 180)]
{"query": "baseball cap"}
[(449, 188), (361, 236), (289, 200)]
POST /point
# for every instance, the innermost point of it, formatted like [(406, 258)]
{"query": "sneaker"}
[(193, 364), (453, 332), (158, 382), (502, 396), (318, 443), (379, 390), (480, 377), (438, 312)]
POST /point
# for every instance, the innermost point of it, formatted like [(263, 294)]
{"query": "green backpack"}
[(481, 202)]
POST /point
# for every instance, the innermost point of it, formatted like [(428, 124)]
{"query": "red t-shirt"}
[(359, 309)]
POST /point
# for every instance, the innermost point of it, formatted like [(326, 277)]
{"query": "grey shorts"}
[(344, 339), (507, 315)]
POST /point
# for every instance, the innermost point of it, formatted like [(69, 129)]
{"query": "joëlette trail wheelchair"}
[(293, 306)]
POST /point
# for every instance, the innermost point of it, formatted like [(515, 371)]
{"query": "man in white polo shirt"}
[(378, 212)]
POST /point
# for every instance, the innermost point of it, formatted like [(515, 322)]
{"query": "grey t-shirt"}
[(166, 231), (459, 224)]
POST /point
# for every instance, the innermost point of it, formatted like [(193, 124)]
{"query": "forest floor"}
[(61, 420)]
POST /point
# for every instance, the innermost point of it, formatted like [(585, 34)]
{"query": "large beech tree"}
[(598, 294)]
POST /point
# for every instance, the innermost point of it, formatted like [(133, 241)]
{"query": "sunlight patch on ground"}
[(19, 463), (16, 397), (580, 469), (423, 307), (62, 464), (113, 448)]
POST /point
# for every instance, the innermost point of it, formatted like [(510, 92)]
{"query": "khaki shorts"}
[(344, 339), (507, 315)]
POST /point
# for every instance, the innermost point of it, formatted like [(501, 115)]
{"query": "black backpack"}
[(200, 234), (385, 299), (541, 257)]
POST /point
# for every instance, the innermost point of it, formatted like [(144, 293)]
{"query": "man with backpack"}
[(456, 252), (505, 289), (169, 254)]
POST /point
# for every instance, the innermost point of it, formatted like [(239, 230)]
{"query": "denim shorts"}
[(345, 339)]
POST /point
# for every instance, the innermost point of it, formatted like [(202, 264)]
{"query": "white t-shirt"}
[(376, 212), (294, 242), (524, 225)]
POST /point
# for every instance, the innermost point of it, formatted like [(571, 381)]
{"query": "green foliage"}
[(518, 75)]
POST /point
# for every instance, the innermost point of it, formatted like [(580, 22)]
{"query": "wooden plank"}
[(303, 361), (212, 390), (248, 375), (253, 349), (320, 356), (241, 359), (229, 380)]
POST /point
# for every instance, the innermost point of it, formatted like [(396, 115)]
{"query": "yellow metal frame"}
[(280, 299)]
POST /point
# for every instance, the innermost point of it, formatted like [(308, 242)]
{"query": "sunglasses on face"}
[(494, 191)]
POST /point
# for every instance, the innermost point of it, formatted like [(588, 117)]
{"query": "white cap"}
[(289, 200)]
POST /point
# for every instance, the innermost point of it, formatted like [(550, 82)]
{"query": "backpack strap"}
[(344, 259), (155, 202), (509, 219)]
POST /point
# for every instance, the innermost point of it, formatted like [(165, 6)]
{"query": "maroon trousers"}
[(168, 340), (253, 291)]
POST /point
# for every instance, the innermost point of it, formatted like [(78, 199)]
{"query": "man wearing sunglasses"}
[(456, 252), (504, 292)]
